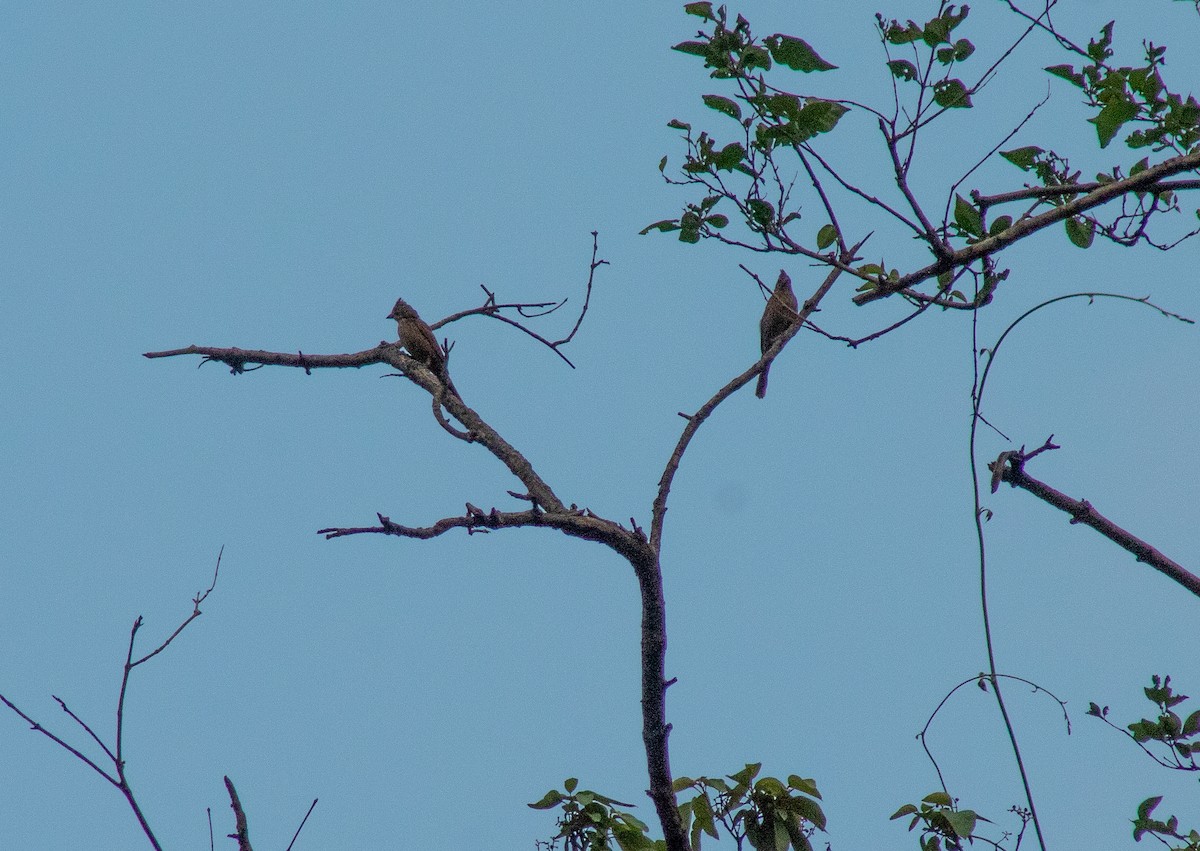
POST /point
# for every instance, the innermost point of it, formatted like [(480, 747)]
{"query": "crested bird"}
[(417, 338), (780, 313)]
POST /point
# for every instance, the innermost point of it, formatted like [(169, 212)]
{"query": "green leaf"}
[(903, 69), (743, 777), (550, 799), (724, 105), (676, 124), (772, 786), (570, 784), (897, 33), (1111, 118), (755, 57), (1066, 72), (762, 211), (963, 822), (938, 799), (796, 53), (665, 226), (1001, 224), (700, 10), (689, 228), (632, 839), (694, 48), (967, 217), (938, 30), (818, 116), (951, 94), (906, 810), (704, 816), (1080, 231), (1023, 158), (718, 221), (826, 236), (1147, 806), (787, 105), (729, 157), (810, 810), (1098, 49)]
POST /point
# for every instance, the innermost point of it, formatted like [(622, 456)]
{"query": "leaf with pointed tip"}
[(903, 69), (1111, 118), (952, 94), (550, 799), (967, 217), (1066, 72), (725, 105), (963, 822), (694, 48), (796, 53), (665, 226), (729, 157), (1001, 224), (1023, 158), (1080, 231)]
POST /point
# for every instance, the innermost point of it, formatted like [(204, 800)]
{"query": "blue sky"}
[(274, 175)]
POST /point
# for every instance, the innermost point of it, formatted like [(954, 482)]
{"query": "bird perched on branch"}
[(780, 313), (417, 338)]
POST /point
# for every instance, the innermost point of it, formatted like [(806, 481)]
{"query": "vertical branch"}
[(655, 729), (242, 828)]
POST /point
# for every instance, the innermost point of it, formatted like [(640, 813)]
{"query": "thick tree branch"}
[(388, 353), (1144, 181)]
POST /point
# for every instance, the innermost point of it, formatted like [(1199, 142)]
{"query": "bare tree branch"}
[(116, 755), (242, 834), (1010, 467)]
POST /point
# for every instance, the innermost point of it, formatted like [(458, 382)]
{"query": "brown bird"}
[(778, 317), (417, 337)]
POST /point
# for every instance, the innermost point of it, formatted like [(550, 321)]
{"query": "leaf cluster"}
[(766, 812), (1163, 830), (948, 92), (768, 118), (1134, 94), (593, 822), (1180, 736), (942, 824)]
